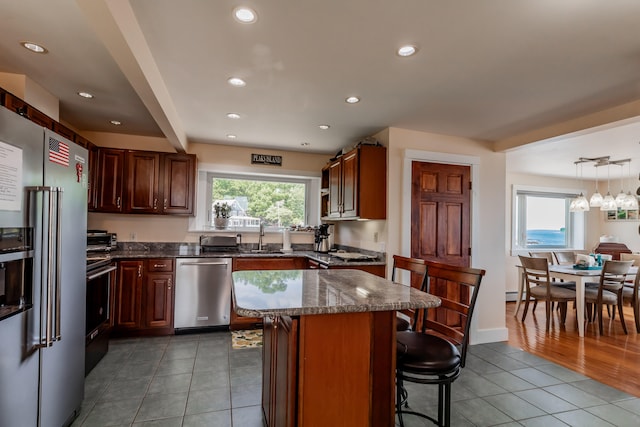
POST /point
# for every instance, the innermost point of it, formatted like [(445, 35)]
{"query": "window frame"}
[(575, 221), (201, 222)]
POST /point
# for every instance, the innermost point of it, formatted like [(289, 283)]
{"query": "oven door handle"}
[(102, 272)]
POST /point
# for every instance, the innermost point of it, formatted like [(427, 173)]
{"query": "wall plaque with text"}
[(266, 159)]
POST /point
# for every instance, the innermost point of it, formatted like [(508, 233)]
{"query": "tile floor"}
[(198, 380)]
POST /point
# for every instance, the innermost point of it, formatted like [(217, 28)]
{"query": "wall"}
[(159, 228), (32, 93), (488, 222)]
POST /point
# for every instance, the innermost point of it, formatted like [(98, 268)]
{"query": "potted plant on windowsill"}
[(223, 212)]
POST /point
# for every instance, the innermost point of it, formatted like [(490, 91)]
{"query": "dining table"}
[(570, 273)]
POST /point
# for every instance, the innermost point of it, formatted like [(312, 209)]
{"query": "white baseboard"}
[(511, 296), (484, 336)]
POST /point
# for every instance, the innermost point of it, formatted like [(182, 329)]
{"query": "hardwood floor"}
[(613, 358)]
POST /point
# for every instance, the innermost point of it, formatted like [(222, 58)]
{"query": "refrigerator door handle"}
[(49, 276), (57, 255)]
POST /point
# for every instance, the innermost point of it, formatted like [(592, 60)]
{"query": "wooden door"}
[(178, 182), (143, 181), (110, 182), (158, 300), (440, 213), (129, 294), (350, 179)]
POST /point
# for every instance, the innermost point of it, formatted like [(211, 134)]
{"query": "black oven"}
[(98, 322)]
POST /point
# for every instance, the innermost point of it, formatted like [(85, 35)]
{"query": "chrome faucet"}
[(260, 236)]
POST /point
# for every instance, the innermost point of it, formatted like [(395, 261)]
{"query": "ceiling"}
[(487, 70)]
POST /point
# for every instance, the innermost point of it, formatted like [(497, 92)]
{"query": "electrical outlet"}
[(132, 236), (375, 237)]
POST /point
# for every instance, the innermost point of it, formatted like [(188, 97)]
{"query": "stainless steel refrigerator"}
[(43, 195)]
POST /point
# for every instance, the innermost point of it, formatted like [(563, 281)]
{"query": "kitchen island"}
[(329, 343)]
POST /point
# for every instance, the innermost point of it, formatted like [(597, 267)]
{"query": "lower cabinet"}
[(279, 367), (144, 297), (266, 263)]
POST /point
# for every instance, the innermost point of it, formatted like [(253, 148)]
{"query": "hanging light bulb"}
[(631, 201), (596, 198), (608, 203), (580, 203), (621, 195)]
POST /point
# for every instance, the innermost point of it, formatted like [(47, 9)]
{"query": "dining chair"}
[(609, 290), (565, 257), (630, 294), (417, 279), (540, 286), (435, 351)]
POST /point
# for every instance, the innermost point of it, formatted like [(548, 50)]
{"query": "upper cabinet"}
[(354, 186), (154, 183)]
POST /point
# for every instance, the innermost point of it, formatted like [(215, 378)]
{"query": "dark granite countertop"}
[(305, 292), (192, 251)]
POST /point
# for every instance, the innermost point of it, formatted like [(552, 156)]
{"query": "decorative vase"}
[(221, 223)]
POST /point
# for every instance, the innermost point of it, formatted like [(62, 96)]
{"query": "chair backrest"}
[(631, 257), (457, 287), (565, 257), (547, 255), (614, 273), (418, 278), (536, 272)]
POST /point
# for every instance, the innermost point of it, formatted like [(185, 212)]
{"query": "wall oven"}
[(98, 315)]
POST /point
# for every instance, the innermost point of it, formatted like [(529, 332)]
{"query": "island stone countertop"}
[(264, 293)]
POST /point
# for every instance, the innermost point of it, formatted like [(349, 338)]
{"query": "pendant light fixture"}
[(596, 198), (620, 198), (580, 203), (608, 203), (631, 200)]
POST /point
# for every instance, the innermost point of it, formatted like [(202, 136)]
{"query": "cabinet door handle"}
[(118, 202), (165, 203), (155, 204), (140, 271), (170, 283), (159, 265)]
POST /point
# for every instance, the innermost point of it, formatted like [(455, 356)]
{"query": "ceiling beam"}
[(117, 27)]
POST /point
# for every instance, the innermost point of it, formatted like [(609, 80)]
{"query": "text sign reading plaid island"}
[(58, 152)]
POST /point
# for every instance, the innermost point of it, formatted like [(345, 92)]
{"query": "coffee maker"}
[(322, 238)]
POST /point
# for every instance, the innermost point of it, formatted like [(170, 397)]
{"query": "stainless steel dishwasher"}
[(203, 293)]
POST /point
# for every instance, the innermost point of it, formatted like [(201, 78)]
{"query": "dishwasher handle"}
[(205, 263)]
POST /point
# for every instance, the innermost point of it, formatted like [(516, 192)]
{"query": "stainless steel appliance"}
[(98, 321), (44, 193), (203, 294), (322, 238)]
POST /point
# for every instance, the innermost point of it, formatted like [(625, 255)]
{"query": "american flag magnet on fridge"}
[(58, 152)]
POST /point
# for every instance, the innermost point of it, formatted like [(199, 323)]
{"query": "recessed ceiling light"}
[(233, 115), (245, 15), (305, 144), (85, 95), (115, 122), (324, 127), (237, 82), (407, 50), (352, 100), (34, 47), (231, 136)]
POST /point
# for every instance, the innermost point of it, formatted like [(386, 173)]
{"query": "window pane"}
[(546, 222), (277, 204)]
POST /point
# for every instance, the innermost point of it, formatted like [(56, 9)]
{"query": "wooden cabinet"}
[(279, 367), (355, 185), (110, 171), (18, 106), (144, 297), (61, 129), (129, 295), (153, 183), (158, 311), (142, 182), (251, 263), (178, 184)]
